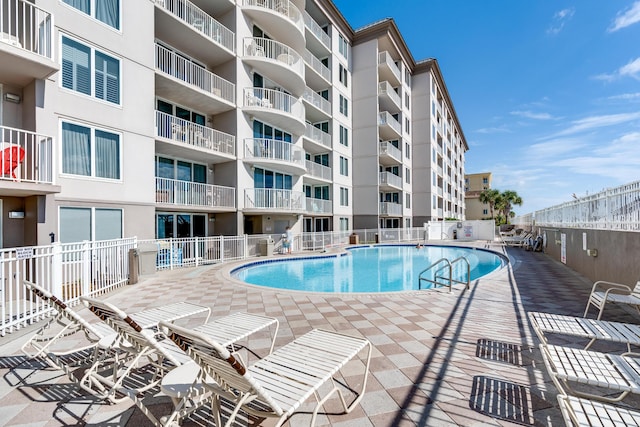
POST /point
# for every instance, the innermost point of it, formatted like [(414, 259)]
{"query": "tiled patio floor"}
[(439, 359)]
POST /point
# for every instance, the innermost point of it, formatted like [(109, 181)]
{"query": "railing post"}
[(245, 246), (197, 251), (86, 268), (56, 269), (221, 248)]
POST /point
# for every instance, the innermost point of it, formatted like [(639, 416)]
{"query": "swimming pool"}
[(384, 268)]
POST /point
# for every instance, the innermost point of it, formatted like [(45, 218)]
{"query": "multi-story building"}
[(474, 184), (216, 117)]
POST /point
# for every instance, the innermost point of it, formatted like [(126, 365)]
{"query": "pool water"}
[(384, 268)]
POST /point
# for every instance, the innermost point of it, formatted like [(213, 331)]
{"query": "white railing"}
[(316, 100), (317, 65), (67, 270), (198, 19), (611, 209), (263, 148), (386, 119), (317, 135), (259, 47), (385, 59), (317, 170), (386, 147), (385, 88), (26, 156), (26, 26), (274, 199), (282, 7), (389, 208), (189, 133), (390, 179), (186, 193), (182, 69), (274, 99), (317, 30), (319, 206)]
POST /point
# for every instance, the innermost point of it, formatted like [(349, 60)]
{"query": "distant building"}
[(474, 184)]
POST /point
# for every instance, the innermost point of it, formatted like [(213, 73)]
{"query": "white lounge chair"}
[(162, 356), (603, 292), (592, 329), (279, 384), (579, 412), (613, 373)]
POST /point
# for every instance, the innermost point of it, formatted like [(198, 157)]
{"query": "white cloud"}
[(532, 115), (555, 148), (626, 97), (595, 122), (560, 18), (625, 18), (497, 129), (632, 69)]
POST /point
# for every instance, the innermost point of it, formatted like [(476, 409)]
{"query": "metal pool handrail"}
[(448, 266)]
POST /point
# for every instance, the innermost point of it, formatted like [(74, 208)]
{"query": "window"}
[(344, 224), (406, 126), (407, 101), (343, 75), (343, 46), (344, 196), (485, 180), (90, 152), (268, 179), (181, 170), (107, 11), (407, 150), (344, 166), (344, 106), (407, 176), (180, 226), (407, 76), (78, 224), (408, 201), (485, 211), (77, 60), (344, 136)]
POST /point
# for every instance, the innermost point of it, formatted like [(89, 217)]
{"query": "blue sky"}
[(547, 91)]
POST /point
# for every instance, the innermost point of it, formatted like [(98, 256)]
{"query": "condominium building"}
[(176, 118), (474, 184)]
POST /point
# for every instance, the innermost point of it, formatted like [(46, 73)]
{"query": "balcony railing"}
[(386, 119), (317, 100), (274, 99), (385, 88), (272, 149), (387, 148), (317, 170), (26, 26), (319, 206), (260, 47), (283, 7), (182, 69), (385, 59), (389, 208), (317, 30), (26, 156), (186, 193), (188, 133), (390, 179), (198, 19), (317, 65), (317, 135), (274, 199)]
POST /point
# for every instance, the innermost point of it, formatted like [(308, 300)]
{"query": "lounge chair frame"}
[(580, 412), (604, 292)]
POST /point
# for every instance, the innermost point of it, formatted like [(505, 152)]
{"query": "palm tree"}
[(489, 197), (509, 199)]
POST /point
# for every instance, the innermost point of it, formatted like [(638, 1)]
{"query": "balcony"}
[(388, 70), (317, 172), (26, 43), (316, 140), (317, 39), (388, 126), (269, 200), (388, 97), (390, 155), (27, 163), (194, 195), (206, 38), (319, 108), (319, 206), (390, 209), (316, 73), (184, 139), (282, 155), (280, 18), (187, 83), (277, 61), (390, 181), (275, 107)]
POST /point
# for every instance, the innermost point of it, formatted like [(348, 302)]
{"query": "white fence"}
[(611, 209)]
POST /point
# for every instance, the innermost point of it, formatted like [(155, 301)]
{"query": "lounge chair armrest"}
[(611, 287)]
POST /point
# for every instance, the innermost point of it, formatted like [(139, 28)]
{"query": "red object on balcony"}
[(11, 157)]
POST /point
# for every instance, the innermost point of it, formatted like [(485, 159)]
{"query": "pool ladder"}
[(439, 278)]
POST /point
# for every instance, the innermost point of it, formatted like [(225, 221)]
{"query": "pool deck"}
[(468, 358)]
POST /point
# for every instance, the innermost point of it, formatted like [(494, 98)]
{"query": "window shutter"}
[(76, 63)]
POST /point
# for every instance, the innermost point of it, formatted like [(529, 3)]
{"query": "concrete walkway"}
[(439, 359)]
